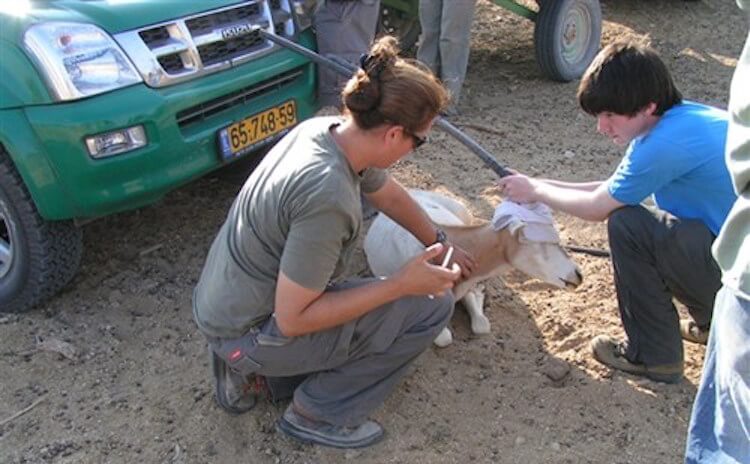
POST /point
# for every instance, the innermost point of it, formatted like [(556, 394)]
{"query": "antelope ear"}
[(516, 227)]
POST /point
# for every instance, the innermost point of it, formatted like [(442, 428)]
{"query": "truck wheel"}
[(401, 24), (566, 37), (37, 257)]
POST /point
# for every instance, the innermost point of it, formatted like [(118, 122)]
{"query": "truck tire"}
[(37, 257), (400, 24), (567, 34)]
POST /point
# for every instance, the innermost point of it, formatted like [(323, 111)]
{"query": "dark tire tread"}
[(54, 247), (545, 36)]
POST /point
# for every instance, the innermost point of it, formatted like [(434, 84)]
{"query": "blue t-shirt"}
[(681, 162)]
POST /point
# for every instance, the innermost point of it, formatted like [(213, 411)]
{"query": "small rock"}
[(556, 369), (57, 346), (520, 441), (198, 395), (555, 446), (210, 449), (115, 296), (178, 456)]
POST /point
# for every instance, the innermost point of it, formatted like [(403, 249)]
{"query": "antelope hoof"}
[(444, 339), (480, 325)]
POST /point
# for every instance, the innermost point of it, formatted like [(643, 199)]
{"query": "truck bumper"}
[(47, 143)]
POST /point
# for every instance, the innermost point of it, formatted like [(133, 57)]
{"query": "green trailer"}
[(566, 32)]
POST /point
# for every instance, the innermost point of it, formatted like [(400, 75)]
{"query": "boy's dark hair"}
[(625, 77)]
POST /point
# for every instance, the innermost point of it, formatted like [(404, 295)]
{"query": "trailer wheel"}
[(566, 37), (401, 24), (37, 257)]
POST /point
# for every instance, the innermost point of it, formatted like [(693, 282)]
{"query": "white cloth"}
[(533, 219)]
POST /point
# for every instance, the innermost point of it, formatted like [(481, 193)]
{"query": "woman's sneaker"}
[(235, 393), (309, 430), (608, 351)]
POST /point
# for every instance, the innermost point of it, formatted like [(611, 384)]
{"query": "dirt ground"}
[(136, 388)]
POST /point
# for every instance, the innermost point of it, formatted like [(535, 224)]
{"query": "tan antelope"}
[(496, 250)]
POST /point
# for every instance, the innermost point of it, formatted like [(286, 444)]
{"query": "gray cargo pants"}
[(347, 371), (344, 28), (444, 45), (657, 257)]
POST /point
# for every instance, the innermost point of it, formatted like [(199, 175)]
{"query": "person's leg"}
[(649, 318), (655, 257), (384, 343), (455, 34), (430, 12), (327, 22), (692, 275), (346, 371), (690, 272), (345, 29), (353, 367), (719, 429)]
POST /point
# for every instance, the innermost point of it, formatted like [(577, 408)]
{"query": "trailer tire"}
[(37, 257), (400, 24), (567, 34)]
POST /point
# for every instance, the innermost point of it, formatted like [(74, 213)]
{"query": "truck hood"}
[(112, 15)]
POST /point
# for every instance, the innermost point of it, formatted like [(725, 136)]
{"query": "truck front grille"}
[(155, 35), (209, 108), (216, 52), (211, 41), (207, 23)]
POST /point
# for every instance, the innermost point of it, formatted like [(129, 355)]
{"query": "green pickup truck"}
[(106, 106)]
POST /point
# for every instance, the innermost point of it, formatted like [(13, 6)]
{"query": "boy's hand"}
[(518, 188)]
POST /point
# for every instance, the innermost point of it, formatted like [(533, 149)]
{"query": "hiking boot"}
[(691, 332), (612, 353), (235, 393), (310, 430)]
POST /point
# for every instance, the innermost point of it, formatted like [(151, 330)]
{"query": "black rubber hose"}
[(347, 69)]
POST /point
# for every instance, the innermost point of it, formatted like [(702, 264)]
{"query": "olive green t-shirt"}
[(298, 213)]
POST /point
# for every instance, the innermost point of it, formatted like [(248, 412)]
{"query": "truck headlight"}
[(303, 11), (79, 59)]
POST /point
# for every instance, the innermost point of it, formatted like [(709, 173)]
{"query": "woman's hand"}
[(420, 277), (518, 188), (461, 257)]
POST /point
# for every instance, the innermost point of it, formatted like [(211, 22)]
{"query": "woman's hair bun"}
[(364, 94), (390, 89)]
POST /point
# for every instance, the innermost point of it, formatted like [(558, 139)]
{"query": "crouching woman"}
[(273, 299)]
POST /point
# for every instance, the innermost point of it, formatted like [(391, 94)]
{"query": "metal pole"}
[(472, 145), (347, 69)]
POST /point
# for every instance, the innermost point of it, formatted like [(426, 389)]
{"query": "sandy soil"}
[(136, 388)]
